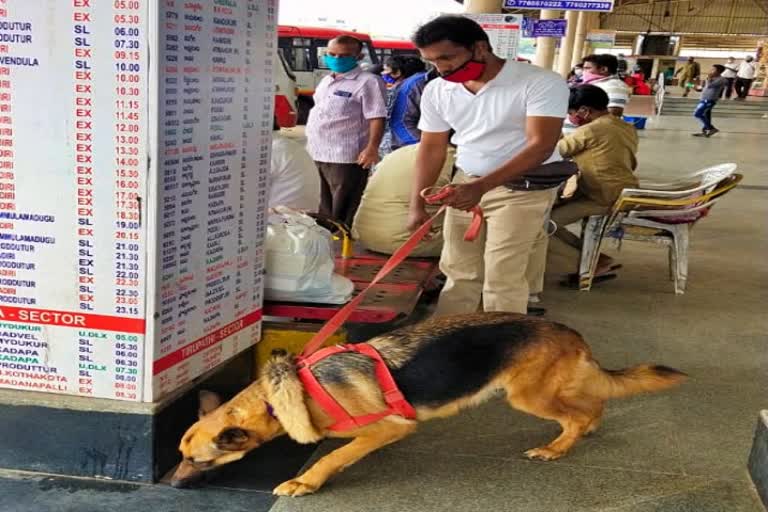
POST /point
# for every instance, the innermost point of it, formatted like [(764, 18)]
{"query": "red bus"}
[(385, 48), (303, 49)]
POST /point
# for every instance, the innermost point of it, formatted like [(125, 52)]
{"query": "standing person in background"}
[(601, 70), (574, 77), (689, 73), (731, 68), (397, 71), (744, 77), (636, 81), (345, 128), (406, 112), (669, 74), (507, 117), (711, 92)]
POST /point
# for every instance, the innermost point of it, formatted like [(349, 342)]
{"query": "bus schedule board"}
[(503, 32), (132, 190)]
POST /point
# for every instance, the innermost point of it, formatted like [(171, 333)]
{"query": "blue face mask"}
[(340, 64), (388, 78)]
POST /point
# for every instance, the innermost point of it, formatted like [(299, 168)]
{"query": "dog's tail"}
[(643, 378)]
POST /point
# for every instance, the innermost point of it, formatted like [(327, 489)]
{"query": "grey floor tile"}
[(58, 494), (714, 496), (391, 480)]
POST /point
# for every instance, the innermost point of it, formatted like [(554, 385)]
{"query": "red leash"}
[(397, 257)]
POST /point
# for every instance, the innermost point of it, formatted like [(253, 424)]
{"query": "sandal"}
[(572, 280)]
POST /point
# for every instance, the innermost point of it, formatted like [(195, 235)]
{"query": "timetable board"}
[(132, 190)]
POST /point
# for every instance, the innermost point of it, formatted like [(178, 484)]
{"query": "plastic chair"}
[(663, 217), (715, 172)]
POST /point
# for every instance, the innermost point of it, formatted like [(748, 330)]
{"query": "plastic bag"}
[(299, 261)]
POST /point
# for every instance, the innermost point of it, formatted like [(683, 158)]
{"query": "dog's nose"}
[(186, 475)]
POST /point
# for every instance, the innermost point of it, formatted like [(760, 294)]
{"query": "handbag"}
[(544, 176)]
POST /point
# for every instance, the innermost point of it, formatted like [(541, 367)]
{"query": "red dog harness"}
[(397, 404), (395, 400)]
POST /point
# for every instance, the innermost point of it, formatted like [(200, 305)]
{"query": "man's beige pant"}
[(493, 267), (563, 242)]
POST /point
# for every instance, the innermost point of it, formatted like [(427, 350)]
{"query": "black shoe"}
[(536, 311), (711, 132), (701, 134)]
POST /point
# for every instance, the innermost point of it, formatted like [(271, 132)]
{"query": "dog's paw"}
[(294, 488), (543, 453)]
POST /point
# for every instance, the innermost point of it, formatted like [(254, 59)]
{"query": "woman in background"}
[(396, 70)]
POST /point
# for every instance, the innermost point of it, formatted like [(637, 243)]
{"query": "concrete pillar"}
[(545, 46), (566, 44), (593, 22), (578, 41), (482, 6)]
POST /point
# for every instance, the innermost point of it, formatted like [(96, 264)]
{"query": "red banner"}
[(205, 342), (72, 319)]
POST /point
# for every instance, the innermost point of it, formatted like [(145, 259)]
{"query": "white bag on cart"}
[(299, 261)]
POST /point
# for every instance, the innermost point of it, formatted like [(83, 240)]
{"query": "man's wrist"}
[(418, 205), (484, 184)]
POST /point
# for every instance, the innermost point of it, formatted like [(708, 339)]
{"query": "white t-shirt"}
[(730, 68), (617, 91), (490, 125), (294, 179), (747, 70)]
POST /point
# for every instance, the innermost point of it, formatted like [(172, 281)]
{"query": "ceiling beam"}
[(762, 4)]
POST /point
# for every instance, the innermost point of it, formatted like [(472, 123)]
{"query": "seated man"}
[(382, 219), (294, 180), (604, 147)]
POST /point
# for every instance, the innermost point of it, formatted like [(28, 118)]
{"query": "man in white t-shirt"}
[(745, 76), (507, 118), (294, 179), (730, 76)]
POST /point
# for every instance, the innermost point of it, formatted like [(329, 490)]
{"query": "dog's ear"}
[(231, 439), (209, 402)]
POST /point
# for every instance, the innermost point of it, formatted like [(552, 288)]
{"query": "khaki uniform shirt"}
[(605, 151), (382, 218)]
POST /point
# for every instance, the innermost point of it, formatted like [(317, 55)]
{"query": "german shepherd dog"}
[(441, 366)]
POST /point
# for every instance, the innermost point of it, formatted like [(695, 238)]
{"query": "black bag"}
[(544, 176)]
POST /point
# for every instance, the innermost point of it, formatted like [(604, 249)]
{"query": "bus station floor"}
[(683, 450)]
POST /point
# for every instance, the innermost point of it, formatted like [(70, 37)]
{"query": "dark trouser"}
[(341, 187), (742, 87), (703, 113), (728, 91)]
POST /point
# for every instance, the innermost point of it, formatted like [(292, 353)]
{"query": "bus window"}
[(321, 49), (296, 52), (300, 59), (369, 55)]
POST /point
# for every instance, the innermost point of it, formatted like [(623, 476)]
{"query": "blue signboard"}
[(548, 28), (562, 5)]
